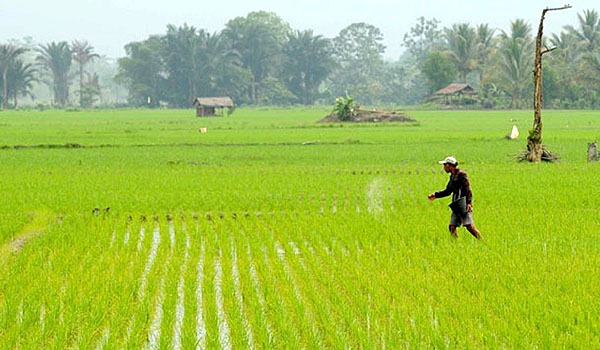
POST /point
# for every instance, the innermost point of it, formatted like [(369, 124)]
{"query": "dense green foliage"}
[(345, 108), (288, 233), (259, 59), (438, 70)]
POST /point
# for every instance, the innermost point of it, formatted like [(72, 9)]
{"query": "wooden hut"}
[(212, 106), (456, 94)]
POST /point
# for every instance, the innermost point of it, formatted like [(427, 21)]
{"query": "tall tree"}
[(424, 36), (588, 30), (258, 39), (83, 53), (308, 61), (222, 72), (486, 44), (143, 71), (438, 69), (56, 59), (567, 44), (516, 51), (588, 79), (91, 89), (8, 54), (359, 46), (182, 50), (359, 54), (462, 46), (21, 77)]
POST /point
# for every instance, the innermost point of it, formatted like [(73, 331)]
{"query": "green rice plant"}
[(323, 232)]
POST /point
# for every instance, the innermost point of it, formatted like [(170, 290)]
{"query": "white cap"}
[(449, 160)]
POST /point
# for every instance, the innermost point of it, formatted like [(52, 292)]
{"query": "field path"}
[(37, 226)]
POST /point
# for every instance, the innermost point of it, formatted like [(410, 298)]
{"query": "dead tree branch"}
[(549, 50), (535, 150)]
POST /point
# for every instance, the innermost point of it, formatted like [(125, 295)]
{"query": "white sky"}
[(110, 24)]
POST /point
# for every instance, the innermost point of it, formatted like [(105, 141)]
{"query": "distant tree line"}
[(259, 59), (53, 65)]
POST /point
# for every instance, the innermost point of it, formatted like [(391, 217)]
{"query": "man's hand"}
[(470, 207), (431, 197)]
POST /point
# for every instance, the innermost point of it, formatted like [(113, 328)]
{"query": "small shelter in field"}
[(212, 106), (456, 94)]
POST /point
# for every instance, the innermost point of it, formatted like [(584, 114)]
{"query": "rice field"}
[(132, 230)]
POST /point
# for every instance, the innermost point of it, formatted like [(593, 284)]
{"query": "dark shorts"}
[(458, 221)]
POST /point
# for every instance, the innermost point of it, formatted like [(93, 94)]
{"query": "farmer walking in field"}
[(462, 196)]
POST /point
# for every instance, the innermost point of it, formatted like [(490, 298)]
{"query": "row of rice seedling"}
[(275, 244), (345, 280)]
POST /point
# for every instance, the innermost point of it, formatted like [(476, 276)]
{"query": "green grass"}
[(327, 226)]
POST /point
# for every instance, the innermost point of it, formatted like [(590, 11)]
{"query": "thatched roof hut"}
[(455, 94), (456, 89), (211, 106)]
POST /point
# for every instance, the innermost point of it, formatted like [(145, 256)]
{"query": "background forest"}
[(260, 60)]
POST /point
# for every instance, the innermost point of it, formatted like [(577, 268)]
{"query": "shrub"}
[(345, 108)]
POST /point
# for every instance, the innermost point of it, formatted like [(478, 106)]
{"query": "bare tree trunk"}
[(534, 140)]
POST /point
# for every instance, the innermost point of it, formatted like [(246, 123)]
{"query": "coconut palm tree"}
[(588, 31), (217, 57), (462, 48), (83, 53), (180, 50), (591, 72), (486, 44), (567, 45), (309, 60), (21, 77), (8, 53), (56, 58), (257, 38), (516, 53)]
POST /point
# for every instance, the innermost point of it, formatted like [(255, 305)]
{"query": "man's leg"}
[(474, 231), (453, 231)]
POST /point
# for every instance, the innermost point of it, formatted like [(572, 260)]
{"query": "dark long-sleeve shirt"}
[(458, 186)]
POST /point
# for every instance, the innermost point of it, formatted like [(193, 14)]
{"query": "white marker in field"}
[(515, 133)]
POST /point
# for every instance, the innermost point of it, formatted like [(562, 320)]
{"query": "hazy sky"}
[(109, 24)]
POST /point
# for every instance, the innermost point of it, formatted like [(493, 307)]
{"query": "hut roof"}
[(213, 102), (456, 89)]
